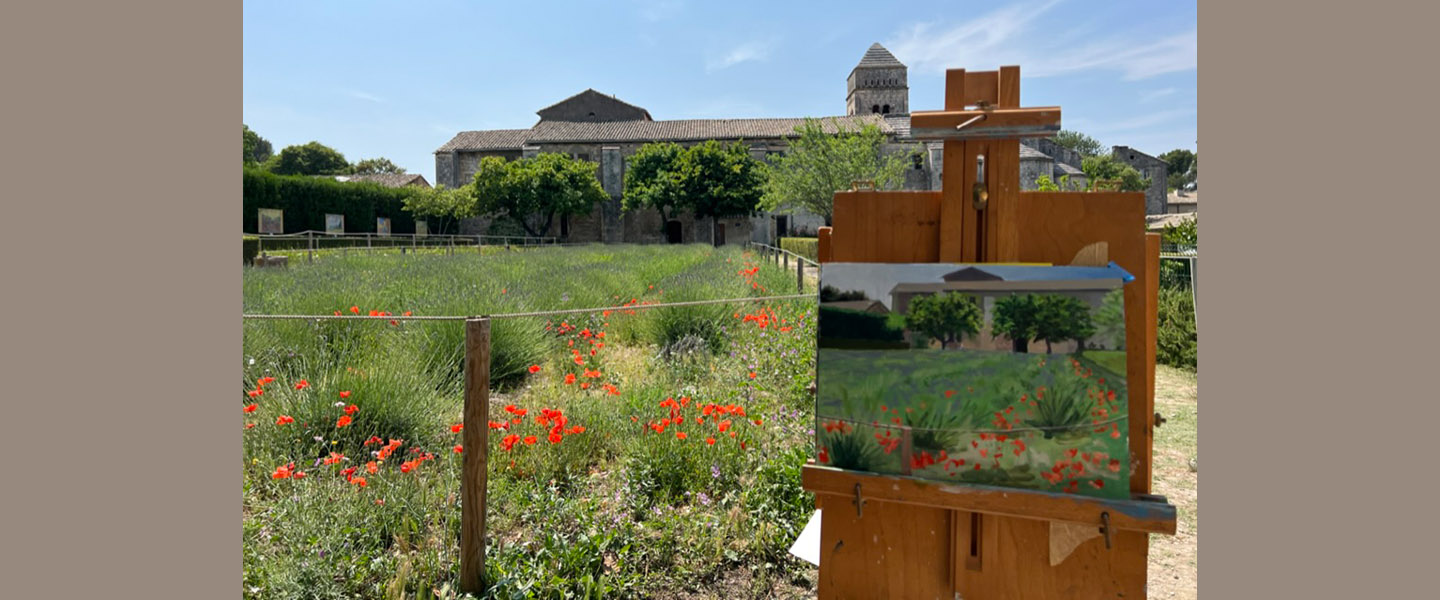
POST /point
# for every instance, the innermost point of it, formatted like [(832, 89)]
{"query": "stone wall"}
[(1032, 168), (1151, 167)]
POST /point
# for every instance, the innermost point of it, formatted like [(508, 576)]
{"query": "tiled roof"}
[(878, 56), (1069, 170), (493, 139), (686, 130), (1188, 198), (1028, 152), (901, 125)]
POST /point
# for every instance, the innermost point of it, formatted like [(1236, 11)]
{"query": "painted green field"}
[(636, 453), (1048, 422)]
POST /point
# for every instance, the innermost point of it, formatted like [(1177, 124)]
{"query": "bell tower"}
[(878, 85)]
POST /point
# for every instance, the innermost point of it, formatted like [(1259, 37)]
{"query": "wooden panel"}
[(1009, 95), (1136, 515), (1016, 565), (1140, 474), (955, 89), (893, 551), (475, 443), (1002, 236), (893, 227), (953, 202), (982, 86), (973, 221), (999, 122), (1054, 226), (825, 243)]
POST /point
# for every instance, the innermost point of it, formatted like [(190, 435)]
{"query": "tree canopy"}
[(1104, 168), (1079, 142), (707, 180), (372, 166), (443, 204), (1180, 169), (946, 317), (1014, 317), (818, 164), (257, 149), (1049, 318), (530, 192), (313, 158)]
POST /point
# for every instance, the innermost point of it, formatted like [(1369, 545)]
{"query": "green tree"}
[(1110, 319), (1079, 142), (1059, 318), (825, 159), (1015, 318), (1105, 168), (371, 166), (1180, 164), (708, 180), (945, 316), (257, 149), (442, 204), (530, 192), (313, 158), (1187, 233)]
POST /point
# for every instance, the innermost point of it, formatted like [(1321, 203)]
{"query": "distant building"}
[(393, 180)]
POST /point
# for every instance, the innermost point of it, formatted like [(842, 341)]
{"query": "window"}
[(875, 108), (885, 110)]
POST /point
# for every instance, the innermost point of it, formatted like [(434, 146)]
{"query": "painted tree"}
[(1110, 319), (1059, 318), (1015, 317), (530, 192), (825, 159), (312, 158), (947, 317)]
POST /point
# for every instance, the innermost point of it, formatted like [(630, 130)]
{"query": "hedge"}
[(856, 325), (306, 200), (806, 247), (1176, 343)]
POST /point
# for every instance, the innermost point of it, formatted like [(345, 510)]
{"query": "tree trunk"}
[(1047, 346)]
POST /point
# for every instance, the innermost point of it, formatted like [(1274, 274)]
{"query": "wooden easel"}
[(899, 537)]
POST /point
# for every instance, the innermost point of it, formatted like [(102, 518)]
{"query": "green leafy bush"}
[(841, 323), (1176, 343), (806, 247)]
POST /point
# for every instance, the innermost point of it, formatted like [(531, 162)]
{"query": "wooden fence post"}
[(474, 446), (800, 274)]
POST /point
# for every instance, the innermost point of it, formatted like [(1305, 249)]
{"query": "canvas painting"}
[(1009, 376), (382, 226), (422, 229), (272, 220), (334, 223)]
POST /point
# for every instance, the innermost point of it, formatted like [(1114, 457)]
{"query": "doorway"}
[(719, 234), (673, 232)]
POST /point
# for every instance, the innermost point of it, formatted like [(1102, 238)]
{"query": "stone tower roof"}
[(878, 56)]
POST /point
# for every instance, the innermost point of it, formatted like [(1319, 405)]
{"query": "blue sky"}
[(399, 79)]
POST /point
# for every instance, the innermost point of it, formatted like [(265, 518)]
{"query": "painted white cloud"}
[(748, 51), (1016, 35)]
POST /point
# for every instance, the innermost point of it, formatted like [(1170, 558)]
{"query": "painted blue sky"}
[(399, 79)]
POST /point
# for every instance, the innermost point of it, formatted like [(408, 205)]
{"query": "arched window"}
[(885, 110), (875, 108)]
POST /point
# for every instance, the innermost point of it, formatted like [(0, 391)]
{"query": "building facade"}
[(606, 130)]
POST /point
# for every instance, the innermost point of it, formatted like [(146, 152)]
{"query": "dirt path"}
[(1173, 561)]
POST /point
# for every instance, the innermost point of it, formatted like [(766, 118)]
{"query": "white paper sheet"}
[(807, 546)]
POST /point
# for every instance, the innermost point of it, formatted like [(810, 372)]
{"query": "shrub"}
[(806, 247), (1176, 343), (854, 324)]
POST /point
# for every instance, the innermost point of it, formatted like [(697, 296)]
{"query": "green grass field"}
[(609, 504)]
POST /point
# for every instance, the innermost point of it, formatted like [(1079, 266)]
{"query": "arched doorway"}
[(673, 232), (719, 234)]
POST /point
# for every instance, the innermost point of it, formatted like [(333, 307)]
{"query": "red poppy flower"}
[(370, 467), (408, 466), (355, 310), (585, 385), (680, 435), (345, 394), (254, 393), (458, 448), (534, 368), (350, 410), (555, 437), (360, 481), (343, 421), (283, 419), (302, 384), (249, 425), (577, 429), (283, 471), (758, 421), (752, 374), (569, 378), (252, 408), (530, 439)]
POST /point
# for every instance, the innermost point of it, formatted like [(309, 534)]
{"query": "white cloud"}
[(748, 51), (364, 96), (659, 10), (1011, 36)]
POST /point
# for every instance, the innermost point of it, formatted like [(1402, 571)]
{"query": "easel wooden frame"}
[(898, 537)]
